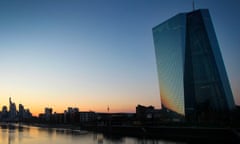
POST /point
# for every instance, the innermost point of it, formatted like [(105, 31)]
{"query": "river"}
[(24, 134)]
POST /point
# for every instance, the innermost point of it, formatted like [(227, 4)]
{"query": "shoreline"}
[(190, 134), (184, 134)]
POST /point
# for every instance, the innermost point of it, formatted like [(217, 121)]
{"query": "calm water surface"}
[(36, 135)]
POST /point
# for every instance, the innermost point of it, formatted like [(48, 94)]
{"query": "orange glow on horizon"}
[(36, 99), (38, 107), (36, 112)]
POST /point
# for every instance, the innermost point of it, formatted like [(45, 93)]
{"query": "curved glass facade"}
[(169, 41)]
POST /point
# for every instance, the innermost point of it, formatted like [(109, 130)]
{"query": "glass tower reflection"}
[(191, 72)]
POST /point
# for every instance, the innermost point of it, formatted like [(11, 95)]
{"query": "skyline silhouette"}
[(94, 54)]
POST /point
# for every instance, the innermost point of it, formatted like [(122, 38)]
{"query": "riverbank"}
[(60, 126), (68, 129), (189, 134)]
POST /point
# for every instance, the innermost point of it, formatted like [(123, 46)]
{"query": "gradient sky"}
[(94, 53)]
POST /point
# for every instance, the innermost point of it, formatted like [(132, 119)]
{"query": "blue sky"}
[(94, 53)]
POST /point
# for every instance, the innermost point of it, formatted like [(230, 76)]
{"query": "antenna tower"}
[(193, 4)]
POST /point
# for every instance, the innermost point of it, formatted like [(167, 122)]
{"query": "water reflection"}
[(115, 139), (15, 134)]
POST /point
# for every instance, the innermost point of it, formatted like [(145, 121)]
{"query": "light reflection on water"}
[(34, 135)]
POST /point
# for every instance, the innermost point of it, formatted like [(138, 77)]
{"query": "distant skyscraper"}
[(12, 110), (20, 111), (4, 114), (191, 71)]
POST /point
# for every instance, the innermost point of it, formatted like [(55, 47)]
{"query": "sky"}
[(92, 54)]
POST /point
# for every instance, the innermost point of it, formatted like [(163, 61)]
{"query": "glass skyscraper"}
[(191, 72)]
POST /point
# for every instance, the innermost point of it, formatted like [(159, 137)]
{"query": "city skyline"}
[(94, 54)]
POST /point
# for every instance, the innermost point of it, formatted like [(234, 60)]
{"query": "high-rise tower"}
[(191, 72), (12, 110)]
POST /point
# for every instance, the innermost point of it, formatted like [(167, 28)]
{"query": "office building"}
[(191, 71), (12, 110)]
